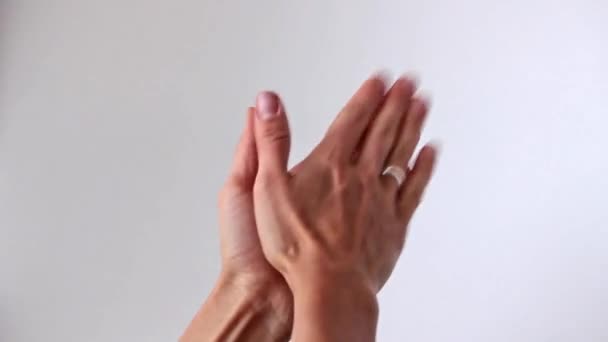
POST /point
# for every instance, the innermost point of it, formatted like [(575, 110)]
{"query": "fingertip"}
[(421, 102), (378, 83), (427, 153), (382, 76), (427, 159), (401, 91), (412, 77), (271, 133), (267, 105), (408, 83), (436, 146), (418, 179)]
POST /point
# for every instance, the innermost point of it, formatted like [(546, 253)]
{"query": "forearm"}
[(236, 313), (335, 312)]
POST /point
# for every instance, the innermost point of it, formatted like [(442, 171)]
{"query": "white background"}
[(118, 119)]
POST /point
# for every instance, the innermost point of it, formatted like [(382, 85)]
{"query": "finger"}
[(384, 129), (272, 137), (347, 130), (245, 160), (411, 129), (417, 181)]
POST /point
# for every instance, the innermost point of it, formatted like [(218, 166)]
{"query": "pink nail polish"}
[(267, 105)]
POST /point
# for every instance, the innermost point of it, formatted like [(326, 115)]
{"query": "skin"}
[(250, 301), (326, 234)]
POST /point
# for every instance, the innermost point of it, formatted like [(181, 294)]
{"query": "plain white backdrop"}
[(118, 120)]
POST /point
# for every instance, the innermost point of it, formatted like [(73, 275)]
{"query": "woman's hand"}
[(243, 261), (334, 226), (251, 301)]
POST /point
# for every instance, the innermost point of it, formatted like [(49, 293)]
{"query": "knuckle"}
[(333, 152), (389, 125), (412, 138), (276, 132), (340, 175), (277, 136), (369, 171)]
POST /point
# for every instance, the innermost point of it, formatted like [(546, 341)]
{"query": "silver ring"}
[(397, 172)]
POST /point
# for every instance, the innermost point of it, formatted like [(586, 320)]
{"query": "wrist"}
[(241, 310), (250, 284), (268, 295), (340, 290), (335, 307)]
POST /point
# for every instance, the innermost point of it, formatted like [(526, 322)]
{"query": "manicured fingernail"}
[(267, 105)]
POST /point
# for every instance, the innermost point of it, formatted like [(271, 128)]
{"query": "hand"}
[(334, 221), (251, 301), (334, 212), (242, 257)]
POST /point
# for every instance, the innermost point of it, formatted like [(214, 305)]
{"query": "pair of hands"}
[(332, 228)]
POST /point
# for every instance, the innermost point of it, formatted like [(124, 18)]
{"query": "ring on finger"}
[(397, 172)]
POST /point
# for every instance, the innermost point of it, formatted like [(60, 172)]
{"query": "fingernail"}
[(267, 105)]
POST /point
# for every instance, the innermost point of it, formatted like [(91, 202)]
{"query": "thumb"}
[(272, 136)]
